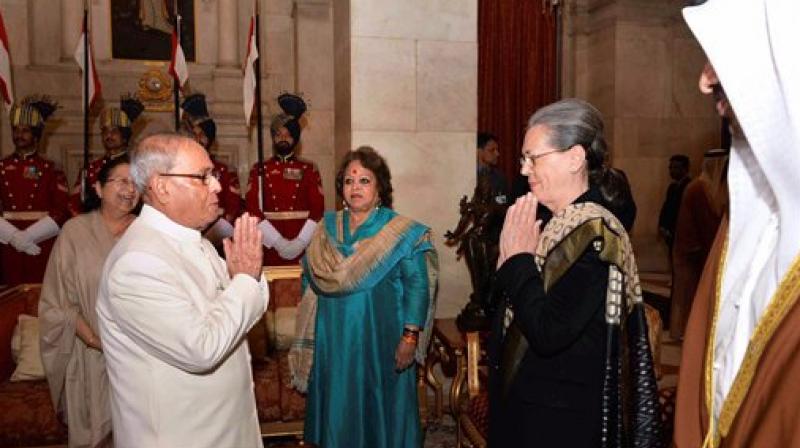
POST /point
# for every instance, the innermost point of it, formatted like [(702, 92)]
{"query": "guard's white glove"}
[(296, 246), (23, 243), (307, 231), (219, 231), (270, 236), (7, 230), (292, 250), (42, 230)]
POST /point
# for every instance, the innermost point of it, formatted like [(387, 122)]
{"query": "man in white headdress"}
[(740, 369)]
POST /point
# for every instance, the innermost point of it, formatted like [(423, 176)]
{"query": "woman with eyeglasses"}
[(72, 353), (557, 348)]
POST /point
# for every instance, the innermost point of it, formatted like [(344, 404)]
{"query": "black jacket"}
[(555, 398)]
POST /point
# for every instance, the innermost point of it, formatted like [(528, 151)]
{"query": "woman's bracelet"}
[(409, 339), (410, 336)]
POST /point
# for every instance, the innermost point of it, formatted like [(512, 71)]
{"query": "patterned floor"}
[(440, 435)]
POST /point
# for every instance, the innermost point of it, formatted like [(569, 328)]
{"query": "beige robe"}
[(76, 373)]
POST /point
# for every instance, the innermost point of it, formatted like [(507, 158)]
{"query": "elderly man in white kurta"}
[(173, 315)]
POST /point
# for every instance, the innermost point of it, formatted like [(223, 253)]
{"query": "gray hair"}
[(573, 122), (153, 155)]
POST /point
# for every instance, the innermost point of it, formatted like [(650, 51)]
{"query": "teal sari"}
[(368, 285)]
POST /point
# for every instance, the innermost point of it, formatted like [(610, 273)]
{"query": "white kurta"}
[(173, 327)]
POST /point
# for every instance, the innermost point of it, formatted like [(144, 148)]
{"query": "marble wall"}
[(637, 61), (412, 89), (296, 56)]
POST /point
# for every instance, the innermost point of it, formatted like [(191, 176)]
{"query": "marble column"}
[(228, 39), (614, 45), (414, 95), (71, 20), (315, 67), (45, 20)]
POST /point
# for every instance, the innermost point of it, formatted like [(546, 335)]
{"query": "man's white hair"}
[(153, 155)]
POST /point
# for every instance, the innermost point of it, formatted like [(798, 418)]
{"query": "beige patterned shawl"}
[(334, 273)]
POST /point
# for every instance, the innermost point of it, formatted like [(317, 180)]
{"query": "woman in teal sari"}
[(364, 316)]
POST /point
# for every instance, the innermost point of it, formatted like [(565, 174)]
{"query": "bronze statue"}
[(476, 236)]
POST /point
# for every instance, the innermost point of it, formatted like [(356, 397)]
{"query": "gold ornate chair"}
[(473, 414), (281, 409)]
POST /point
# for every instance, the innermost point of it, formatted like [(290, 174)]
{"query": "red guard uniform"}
[(292, 193), (31, 187), (230, 196)]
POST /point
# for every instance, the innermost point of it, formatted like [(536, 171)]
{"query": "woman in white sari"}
[(71, 349)]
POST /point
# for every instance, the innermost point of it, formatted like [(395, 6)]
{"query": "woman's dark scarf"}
[(631, 410)]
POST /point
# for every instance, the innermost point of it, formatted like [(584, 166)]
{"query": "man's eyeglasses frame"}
[(204, 178)]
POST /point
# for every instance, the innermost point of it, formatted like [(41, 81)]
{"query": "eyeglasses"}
[(205, 177), (126, 182), (532, 158)]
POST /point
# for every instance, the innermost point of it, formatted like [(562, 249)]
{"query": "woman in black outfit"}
[(557, 376)]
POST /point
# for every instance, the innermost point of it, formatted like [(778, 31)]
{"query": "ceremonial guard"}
[(290, 199), (116, 131), (33, 197), (199, 123)]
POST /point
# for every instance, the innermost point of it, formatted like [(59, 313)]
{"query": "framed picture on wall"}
[(142, 29)]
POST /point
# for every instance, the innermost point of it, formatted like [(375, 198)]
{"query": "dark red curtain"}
[(516, 70)]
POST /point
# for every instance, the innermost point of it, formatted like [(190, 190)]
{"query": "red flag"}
[(94, 81), (177, 66), (250, 73), (6, 88)]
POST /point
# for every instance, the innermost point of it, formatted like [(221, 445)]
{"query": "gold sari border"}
[(564, 254), (334, 272)]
